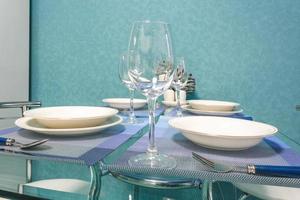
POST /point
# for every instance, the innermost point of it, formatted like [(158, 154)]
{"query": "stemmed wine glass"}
[(179, 82), (123, 76), (151, 71)]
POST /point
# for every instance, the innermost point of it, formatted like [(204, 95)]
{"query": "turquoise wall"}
[(244, 51), (238, 50)]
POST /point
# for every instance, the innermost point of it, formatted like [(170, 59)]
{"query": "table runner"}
[(272, 151), (81, 149)]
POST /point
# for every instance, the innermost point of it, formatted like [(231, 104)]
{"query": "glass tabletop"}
[(65, 166), (46, 174), (271, 151)]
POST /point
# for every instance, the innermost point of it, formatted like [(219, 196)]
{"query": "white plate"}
[(124, 103), (71, 116), (203, 112), (213, 105), (31, 124), (222, 132), (173, 103)]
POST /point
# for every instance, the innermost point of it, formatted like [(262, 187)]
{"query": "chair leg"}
[(96, 174), (204, 190), (135, 192), (244, 196), (28, 176), (210, 191), (207, 193)]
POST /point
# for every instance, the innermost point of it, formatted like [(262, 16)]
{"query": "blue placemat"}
[(170, 141), (86, 149), (271, 151)]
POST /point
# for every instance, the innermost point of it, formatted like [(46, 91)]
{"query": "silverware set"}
[(13, 142), (268, 170)]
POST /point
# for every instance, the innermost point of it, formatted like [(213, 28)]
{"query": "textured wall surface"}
[(244, 51)]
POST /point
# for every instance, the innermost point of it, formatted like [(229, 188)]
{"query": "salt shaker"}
[(169, 95), (182, 96)]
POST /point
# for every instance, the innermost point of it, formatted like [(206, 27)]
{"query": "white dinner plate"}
[(71, 116), (124, 103), (222, 133), (213, 105), (173, 103), (204, 112), (31, 124)]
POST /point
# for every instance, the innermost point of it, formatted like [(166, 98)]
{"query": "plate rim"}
[(114, 112), (220, 113), (227, 102), (106, 100), (65, 131), (275, 129)]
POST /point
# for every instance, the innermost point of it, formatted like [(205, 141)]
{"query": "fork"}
[(268, 170)]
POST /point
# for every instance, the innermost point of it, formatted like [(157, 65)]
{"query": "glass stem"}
[(178, 108), (151, 107), (131, 111)]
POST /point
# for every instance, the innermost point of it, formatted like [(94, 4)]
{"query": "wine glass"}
[(123, 76), (179, 82), (151, 71)]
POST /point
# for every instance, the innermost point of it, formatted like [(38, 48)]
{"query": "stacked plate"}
[(217, 132), (69, 120), (173, 103), (212, 107), (124, 103)]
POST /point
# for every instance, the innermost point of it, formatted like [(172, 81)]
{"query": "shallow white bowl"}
[(212, 105), (269, 192), (71, 116), (124, 103), (222, 133)]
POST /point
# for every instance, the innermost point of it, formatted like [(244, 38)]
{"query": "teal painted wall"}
[(244, 51)]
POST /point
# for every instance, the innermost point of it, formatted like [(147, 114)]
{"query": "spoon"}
[(13, 142)]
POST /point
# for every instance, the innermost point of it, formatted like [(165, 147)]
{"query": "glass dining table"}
[(108, 153)]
